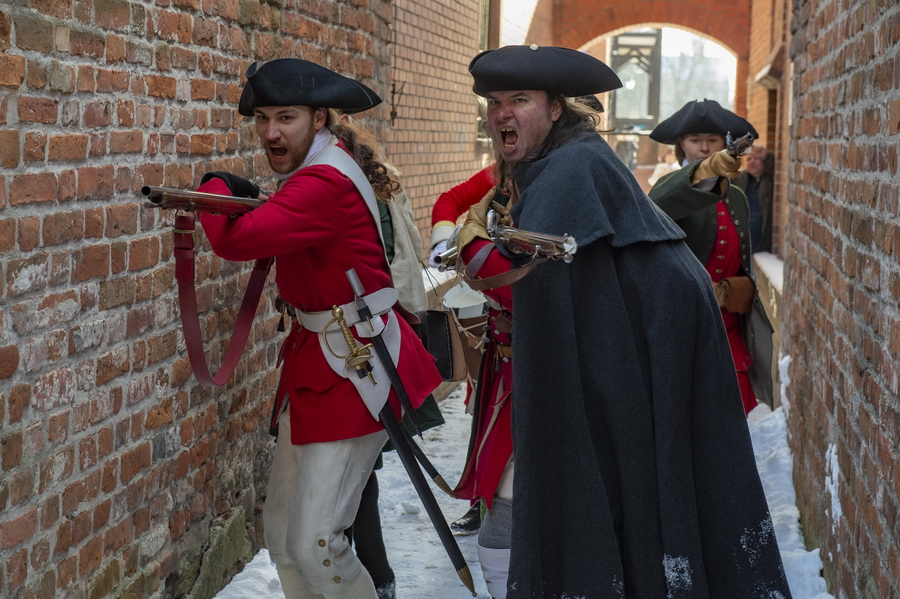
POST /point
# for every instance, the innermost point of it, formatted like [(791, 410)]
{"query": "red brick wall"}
[(114, 464), (432, 137), (769, 108), (842, 286)]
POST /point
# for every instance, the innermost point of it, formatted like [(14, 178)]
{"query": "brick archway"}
[(578, 22)]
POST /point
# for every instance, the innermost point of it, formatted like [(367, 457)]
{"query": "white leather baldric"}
[(333, 155), (374, 394)]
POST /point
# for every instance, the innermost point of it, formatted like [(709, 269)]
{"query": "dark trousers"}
[(365, 535)]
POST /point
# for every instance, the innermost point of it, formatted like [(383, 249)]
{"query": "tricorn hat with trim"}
[(297, 82), (701, 116), (548, 68)]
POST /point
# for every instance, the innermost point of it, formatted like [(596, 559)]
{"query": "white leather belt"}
[(379, 302)]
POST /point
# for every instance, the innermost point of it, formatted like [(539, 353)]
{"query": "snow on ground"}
[(423, 569)]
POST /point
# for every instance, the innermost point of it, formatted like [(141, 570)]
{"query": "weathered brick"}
[(33, 32), (9, 361), (17, 568), (55, 8), (38, 110), (111, 365), (54, 389), (19, 399), (68, 147), (124, 142), (27, 274), (5, 31), (91, 262), (7, 234), (11, 449), (96, 182), (133, 461), (86, 79), (12, 70), (35, 148), (97, 114), (72, 497), (32, 188), (9, 148), (86, 43), (62, 227), (66, 185), (203, 89), (161, 346), (22, 528), (62, 78), (121, 220), (112, 81), (50, 512), (98, 144), (36, 75), (202, 143), (113, 14), (89, 558), (143, 253), (162, 87)]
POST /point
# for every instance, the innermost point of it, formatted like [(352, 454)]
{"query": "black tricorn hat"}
[(548, 68), (297, 82), (701, 116)]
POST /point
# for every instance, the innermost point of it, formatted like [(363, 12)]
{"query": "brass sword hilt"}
[(359, 355)]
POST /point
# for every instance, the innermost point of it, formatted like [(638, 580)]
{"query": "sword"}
[(403, 444)]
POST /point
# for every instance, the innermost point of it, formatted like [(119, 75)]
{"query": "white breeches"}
[(313, 497)]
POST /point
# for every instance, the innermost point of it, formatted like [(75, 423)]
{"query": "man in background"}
[(757, 182)]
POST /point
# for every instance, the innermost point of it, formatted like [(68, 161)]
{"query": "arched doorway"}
[(661, 69)]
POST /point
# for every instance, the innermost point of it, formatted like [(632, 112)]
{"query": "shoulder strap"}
[(336, 157), (187, 302)]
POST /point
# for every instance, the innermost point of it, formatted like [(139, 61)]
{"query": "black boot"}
[(469, 523)]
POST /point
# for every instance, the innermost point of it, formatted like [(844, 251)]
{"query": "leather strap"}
[(501, 280), (187, 302)]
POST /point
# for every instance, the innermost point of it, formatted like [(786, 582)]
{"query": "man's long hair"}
[(576, 118), (367, 153)]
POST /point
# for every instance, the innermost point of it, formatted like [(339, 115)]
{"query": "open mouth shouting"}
[(508, 138), (278, 151), (279, 158)]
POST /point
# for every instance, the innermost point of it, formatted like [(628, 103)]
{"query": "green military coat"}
[(695, 212)]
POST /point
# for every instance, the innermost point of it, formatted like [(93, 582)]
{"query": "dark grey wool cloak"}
[(635, 476)]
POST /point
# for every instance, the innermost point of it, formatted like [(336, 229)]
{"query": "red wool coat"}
[(492, 446), (317, 227), (455, 201)]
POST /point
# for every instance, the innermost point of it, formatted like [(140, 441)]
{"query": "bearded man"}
[(322, 221), (634, 473)]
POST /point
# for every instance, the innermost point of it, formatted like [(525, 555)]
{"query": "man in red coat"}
[(321, 222)]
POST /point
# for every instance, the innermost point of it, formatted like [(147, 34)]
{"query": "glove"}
[(238, 186), (720, 164), (476, 220), (440, 248)]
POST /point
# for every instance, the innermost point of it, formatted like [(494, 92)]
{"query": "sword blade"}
[(401, 441)]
